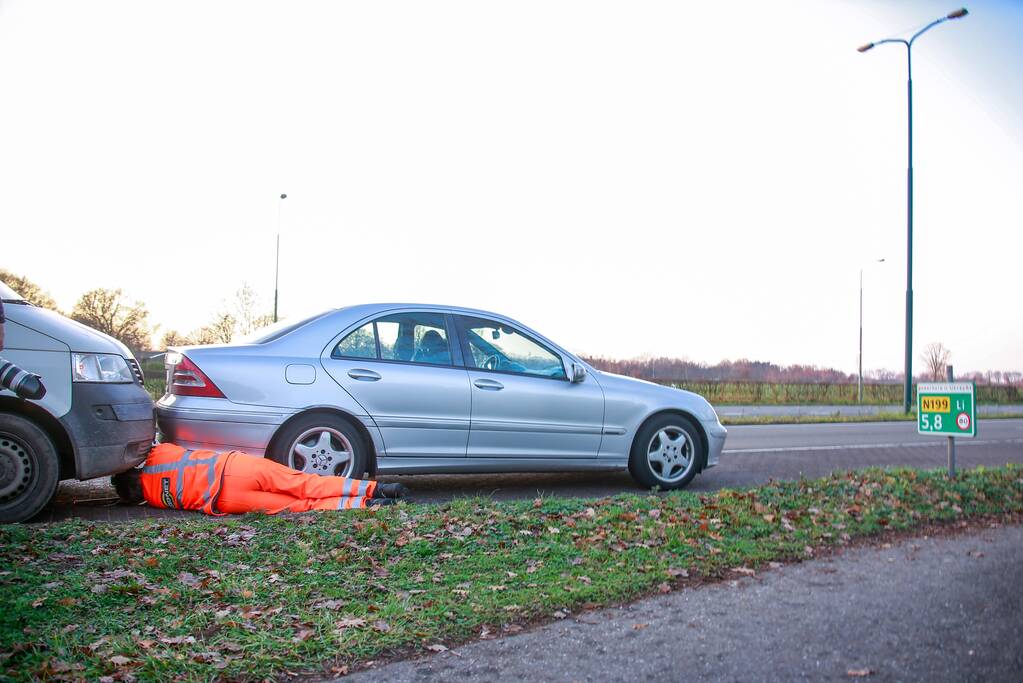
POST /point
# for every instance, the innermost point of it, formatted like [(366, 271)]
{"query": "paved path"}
[(753, 455), (753, 411), (938, 609)]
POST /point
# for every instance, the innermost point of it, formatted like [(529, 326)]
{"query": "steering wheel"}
[(491, 362)]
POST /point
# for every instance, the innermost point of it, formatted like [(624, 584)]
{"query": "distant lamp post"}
[(907, 392), (859, 382), (277, 259)]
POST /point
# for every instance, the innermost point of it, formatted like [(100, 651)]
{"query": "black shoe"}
[(377, 502), (391, 491)]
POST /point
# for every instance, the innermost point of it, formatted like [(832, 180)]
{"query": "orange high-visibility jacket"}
[(186, 480)]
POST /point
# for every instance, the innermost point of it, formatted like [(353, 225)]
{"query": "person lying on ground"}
[(236, 482)]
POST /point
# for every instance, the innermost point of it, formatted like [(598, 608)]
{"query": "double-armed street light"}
[(907, 393)]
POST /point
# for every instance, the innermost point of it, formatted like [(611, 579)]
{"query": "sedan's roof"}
[(332, 322), (370, 309)]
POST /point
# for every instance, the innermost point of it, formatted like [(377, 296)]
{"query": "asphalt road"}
[(924, 609), (753, 455), (756, 454)]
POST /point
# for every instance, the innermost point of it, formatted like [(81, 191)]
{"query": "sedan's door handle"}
[(363, 375), (489, 384)]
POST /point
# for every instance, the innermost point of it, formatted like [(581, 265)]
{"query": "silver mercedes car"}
[(405, 389)]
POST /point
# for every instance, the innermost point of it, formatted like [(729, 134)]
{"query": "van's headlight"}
[(100, 367)]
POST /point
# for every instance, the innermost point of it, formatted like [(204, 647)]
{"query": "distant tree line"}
[(666, 370)]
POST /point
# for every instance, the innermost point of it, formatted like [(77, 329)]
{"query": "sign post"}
[(947, 409)]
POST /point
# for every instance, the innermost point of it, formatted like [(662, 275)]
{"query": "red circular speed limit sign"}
[(963, 421)]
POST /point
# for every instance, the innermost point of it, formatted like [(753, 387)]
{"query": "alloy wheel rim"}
[(16, 468), (670, 454), (324, 451)]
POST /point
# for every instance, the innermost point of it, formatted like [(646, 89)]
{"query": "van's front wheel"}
[(29, 468)]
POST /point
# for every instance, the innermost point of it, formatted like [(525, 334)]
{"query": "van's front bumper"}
[(111, 427)]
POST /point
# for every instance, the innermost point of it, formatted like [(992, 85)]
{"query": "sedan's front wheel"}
[(321, 444), (666, 453)]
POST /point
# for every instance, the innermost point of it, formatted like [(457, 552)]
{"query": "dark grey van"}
[(96, 418)]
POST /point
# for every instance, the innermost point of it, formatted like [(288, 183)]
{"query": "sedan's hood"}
[(77, 336), (668, 396)]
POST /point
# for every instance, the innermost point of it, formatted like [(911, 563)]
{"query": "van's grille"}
[(137, 370)]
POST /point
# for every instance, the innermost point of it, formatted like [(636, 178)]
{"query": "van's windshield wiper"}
[(17, 301)]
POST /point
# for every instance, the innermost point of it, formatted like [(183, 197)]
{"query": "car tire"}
[(317, 442), (667, 452), (29, 468)]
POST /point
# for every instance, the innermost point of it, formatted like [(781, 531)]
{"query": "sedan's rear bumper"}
[(217, 424)]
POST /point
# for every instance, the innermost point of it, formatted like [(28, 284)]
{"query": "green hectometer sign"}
[(946, 409)]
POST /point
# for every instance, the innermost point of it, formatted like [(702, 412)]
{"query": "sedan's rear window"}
[(279, 329), (8, 294)]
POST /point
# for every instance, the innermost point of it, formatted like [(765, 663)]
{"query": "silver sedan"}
[(404, 389)]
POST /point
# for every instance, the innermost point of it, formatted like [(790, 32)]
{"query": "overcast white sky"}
[(700, 180)]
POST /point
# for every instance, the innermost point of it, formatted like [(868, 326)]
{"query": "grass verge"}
[(823, 419), (254, 597)]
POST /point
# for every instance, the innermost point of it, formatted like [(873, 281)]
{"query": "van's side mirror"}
[(578, 373)]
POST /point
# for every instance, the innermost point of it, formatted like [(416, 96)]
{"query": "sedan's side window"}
[(359, 344), (407, 337), (496, 346), (414, 338)]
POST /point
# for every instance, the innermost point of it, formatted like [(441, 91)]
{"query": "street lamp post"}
[(907, 392), (277, 258), (859, 382)]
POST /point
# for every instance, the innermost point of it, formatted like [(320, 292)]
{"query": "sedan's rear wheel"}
[(667, 452), (321, 444)]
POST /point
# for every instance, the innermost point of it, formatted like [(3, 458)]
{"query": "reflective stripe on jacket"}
[(182, 479)]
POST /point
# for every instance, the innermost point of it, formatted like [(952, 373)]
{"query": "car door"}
[(523, 404), (401, 368)]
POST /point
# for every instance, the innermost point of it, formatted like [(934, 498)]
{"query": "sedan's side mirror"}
[(578, 373)]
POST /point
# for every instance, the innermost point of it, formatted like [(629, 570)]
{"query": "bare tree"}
[(31, 292), (222, 328), (108, 311), (174, 338), (247, 309), (936, 358)]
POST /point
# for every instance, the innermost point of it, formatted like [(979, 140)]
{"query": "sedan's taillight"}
[(186, 379)]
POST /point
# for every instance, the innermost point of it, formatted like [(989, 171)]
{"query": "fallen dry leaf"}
[(381, 626), (437, 647), (859, 673), (350, 622), (189, 579)]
